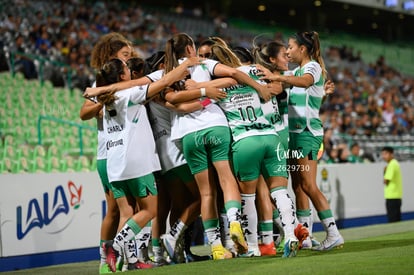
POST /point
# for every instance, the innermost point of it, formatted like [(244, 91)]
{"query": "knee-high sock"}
[(249, 219), (286, 209)]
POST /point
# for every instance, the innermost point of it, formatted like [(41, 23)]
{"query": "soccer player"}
[(306, 131), (205, 139), (131, 155), (255, 147), (112, 45)]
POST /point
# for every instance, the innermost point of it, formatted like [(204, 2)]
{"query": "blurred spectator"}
[(23, 63), (371, 100), (355, 155), (343, 154), (332, 156)]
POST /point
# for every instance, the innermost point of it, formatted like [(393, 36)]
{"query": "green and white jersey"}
[(210, 116), (243, 110), (304, 103), (275, 111), (130, 145)]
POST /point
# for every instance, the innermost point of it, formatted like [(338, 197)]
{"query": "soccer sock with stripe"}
[(249, 217), (286, 209)]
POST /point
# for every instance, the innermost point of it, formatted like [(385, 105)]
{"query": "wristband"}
[(205, 102), (203, 91)]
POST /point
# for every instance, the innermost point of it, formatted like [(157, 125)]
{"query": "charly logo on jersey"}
[(115, 128), (42, 212)]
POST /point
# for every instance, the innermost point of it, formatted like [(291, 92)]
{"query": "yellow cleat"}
[(220, 253), (237, 236)]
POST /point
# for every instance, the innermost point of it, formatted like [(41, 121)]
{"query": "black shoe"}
[(190, 257)]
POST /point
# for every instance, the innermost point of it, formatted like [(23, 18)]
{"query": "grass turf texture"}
[(377, 249)]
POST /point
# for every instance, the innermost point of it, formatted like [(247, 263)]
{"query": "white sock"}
[(103, 255), (177, 228), (306, 221), (266, 231), (225, 229), (249, 219), (143, 237), (286, 209), (126, 234), (330, 227), (131, 252)]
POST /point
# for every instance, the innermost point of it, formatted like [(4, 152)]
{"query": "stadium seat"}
[(10, 152), (26, 150), (82, 164), (9, 166), (68, 164), (25, 165), (39, 165), (54, 165), (53, 151), (39, 151)]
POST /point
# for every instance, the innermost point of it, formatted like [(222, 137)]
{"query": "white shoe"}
[(253, 251), (310, 242), (330, 243), (169, 243), (307, 243)]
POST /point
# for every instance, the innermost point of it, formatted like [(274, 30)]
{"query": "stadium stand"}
[(39, 126)]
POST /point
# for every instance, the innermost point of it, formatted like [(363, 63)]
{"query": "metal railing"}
[(65, 122)]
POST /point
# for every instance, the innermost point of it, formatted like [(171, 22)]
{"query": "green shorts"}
[(256, 155), (303, 145), (137, 187), (203, 147), (284, 137), (103, 174), (182, 173)]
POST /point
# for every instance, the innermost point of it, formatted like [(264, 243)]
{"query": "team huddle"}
[(212, 132)]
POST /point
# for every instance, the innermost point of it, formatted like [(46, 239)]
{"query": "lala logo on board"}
[(42, 212)]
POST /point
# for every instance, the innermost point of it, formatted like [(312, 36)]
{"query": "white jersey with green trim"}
[(130, 143), (304, 103), (242, 107), (207, 117), (160, 119), (101, 148)]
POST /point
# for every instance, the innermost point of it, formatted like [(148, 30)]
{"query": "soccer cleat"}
[(139, 265), (290, 248), (330, 243), (280, 248), (169, 244), (307, 243), (111, 255), (179, 250), (237, 236), (220, 253), (104, 269), (302, 233), (253, 251), (314, 241), (190, 257), (267, 249)]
